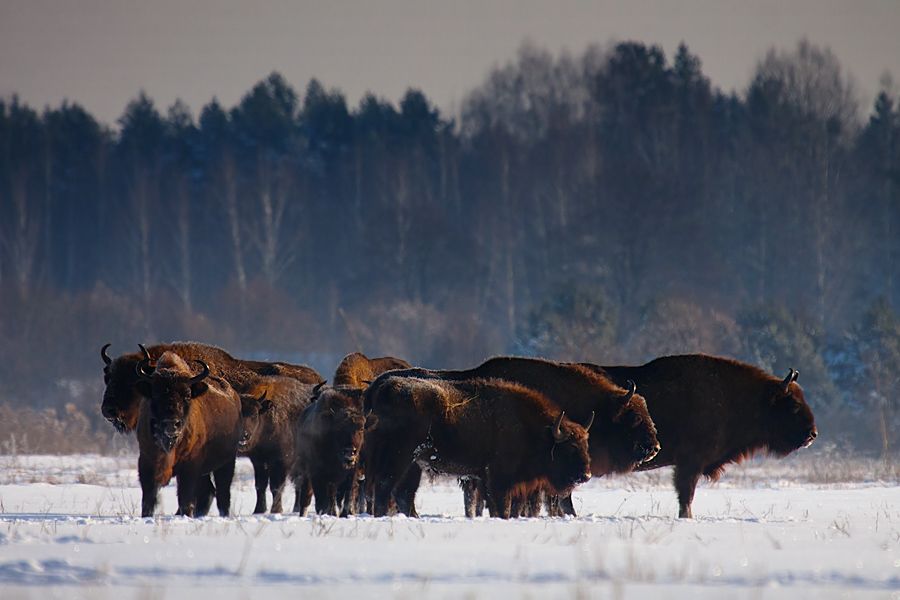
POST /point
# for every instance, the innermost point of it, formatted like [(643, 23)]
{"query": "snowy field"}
[(806, 527)]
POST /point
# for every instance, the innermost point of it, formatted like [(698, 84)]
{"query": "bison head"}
[(340, 424), (172, 387), (792, 425), (570, 462), (123, 394), (253, 411), (628, 433)]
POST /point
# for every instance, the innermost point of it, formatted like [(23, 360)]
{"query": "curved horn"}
[(104, 355), (632, 388), (590, 422), (318, 388), (141, 369), (263, 396), (146, 354), (201, 375), (557, 428), (791, 377)]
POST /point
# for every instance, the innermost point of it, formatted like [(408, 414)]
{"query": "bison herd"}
[(519, 433)]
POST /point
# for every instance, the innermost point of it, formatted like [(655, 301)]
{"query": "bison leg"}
[(551, 503), (205, 492), (469, 487), (499, 502), (187, 492), (277, 479), (686, 479), (347, 491), (535, 501), (479, 498), (362, 504), (261, 475), (565, 505), (302, 494), (149, 486), (405, 492), (324, 493), (517, 506), (224, 476)]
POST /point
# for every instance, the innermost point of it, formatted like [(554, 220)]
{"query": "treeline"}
[(611, 206)]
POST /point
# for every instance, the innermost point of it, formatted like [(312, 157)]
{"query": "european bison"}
[(622, 436), (122, 400), (712, 411), (510, 436), (189, 427), (358, 370), (270, 410), (329, 438)]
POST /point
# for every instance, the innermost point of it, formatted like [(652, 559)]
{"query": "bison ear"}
[(371, 421), (265, 406), (198, 389)]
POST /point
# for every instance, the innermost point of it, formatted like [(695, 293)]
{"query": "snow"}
[(771, 529)]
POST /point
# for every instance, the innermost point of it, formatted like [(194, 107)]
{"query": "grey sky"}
[(100, 53)]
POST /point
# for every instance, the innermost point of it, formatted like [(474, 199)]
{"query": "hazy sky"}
[(100, 53)]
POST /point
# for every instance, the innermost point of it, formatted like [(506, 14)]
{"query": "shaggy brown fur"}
[(122, 399), (187, 429), (270, 410), (500, 431), (711, 411), (358, 370), (329, 440), (622, 435)]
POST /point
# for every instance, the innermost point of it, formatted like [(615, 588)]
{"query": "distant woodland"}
[(610, 207)]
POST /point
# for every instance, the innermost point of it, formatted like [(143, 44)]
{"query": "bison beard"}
[(504, 433), (711, 411), (189, 428)]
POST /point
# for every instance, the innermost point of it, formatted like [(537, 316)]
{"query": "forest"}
[(609, 206)]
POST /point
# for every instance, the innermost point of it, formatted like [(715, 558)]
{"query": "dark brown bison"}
[(712, 411), (510, 436), (189, 428), (358, 370), (622, 436), (122, 399), (328, 443), (270, 410)]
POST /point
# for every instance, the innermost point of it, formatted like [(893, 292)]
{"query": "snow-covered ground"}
[(803, 527)]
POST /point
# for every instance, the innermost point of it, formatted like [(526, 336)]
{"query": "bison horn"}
[(318, 388), (146, 354), (104, 355), (203, 374), (590, 422), (263, 396), (632, 388), (141, 369), (557, 429), (791, 377)]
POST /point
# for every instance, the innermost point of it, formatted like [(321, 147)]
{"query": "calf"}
[(270, 411)]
